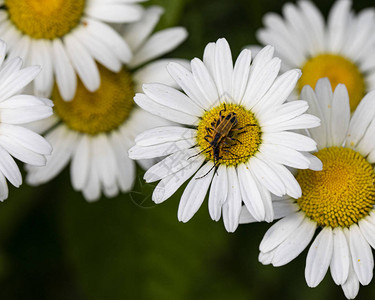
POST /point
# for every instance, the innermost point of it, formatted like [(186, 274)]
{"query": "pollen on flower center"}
[(45, 19), (338, 70), (342, 193), (101, 111), (229, 134)]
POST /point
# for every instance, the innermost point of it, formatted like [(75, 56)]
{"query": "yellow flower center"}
[(338, 70), (45, 19), (101, 111), (229, 134), (342, 193)]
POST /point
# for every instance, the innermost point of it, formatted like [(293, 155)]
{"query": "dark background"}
[(55, 245)]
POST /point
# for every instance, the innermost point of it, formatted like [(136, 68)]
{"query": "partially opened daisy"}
[(237, 138), (16, 110), (341, 49), (66, 37), (337, 202), (95, 130)]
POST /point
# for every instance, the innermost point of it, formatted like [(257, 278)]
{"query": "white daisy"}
[(249, 156), (343, 49), (338, 201), (95, 130), (66, 37), (15, 110)]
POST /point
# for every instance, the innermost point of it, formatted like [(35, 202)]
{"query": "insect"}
[(221, 136)]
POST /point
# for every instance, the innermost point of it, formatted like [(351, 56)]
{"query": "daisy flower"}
[(66, 37), (15, 111), (341, 49), (95, 130), (337, 202), (237, 128)]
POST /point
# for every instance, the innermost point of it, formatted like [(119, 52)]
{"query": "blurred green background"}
[(55, 245)]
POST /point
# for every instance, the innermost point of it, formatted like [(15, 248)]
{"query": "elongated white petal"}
[(9, 168), (223, 68), (194, 194), (340, 257), (171, 164), (351, 285), (164, 111), (218, 193), (250, 193), (340, 115), (362, 259), (171, 183), (319, 257), (172, 98), (232, 206), (294, 244), (65, 75), (280, 231), (158, 44), (240, 75)]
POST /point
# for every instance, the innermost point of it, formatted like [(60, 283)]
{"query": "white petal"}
[(107, 35), (167, 96), (188, 84), (204, 81), (16, 111), (66, 78), (156, 72), (362, 259), (3, 188), (17, 81), (158, 44), (241, 74), (292, 186), (250, 193), (164, 111), (98, 50), (266, 176), (195, 192), (368, 230), (319, 257), (292, 140), (340, 257), (161, 135), (137, 32), (26, 138), (340, 115), (9, 168), (294, 243), (171, 164), (41, 55), (223, 68), (114, 12), (361, 118), (280, 231), (171, 183), (285, 156), (232, 206), (218, 192), (126, 167), (23, 154), (280, 90), (82, 62), (159, 150), (337, 21), (351, 285), (80, 166)]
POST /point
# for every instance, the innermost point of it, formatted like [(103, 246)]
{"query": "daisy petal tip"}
[(316, 165)]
